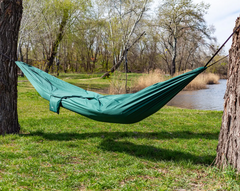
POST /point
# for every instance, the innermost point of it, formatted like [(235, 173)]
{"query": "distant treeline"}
[(102, 36)]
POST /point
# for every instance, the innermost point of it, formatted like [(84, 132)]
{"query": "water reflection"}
[(206, 99)]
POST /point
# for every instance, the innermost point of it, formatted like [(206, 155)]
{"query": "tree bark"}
[(228, 150), (174, 56), (10, 18)]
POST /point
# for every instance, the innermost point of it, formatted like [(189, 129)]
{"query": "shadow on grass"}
[(152, 153), (118, 135), (110, 142)]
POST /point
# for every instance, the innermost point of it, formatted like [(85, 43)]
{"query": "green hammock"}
[(124, 108)]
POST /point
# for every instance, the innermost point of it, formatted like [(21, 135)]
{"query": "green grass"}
[(95, 83), (91, 82), (170, 150)]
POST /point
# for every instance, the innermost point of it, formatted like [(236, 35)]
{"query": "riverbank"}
[(211, 98)]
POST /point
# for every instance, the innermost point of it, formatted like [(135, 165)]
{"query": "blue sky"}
[(222, 14)]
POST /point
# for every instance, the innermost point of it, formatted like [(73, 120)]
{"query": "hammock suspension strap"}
[(217, 61), (221, 48)]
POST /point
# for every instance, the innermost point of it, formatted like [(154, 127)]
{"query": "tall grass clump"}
[(211, 78), (202, 80), (117, 83), (146, 80)]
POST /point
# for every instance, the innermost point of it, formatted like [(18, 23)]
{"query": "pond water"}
[(205, 99)]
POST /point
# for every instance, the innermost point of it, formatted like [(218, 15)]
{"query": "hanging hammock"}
[(124, 108)]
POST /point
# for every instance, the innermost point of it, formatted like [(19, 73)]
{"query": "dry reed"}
[(200, 82), (117, 84), (211, 78), (148, 79)]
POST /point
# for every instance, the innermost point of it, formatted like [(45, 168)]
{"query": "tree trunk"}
[(21, 57), (174, 55), (65, 58), (57, 41), (58, 66), (228, 150), (115, 67), (10, 18)]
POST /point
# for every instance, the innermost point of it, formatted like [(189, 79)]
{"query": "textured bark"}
[(10, 17), (228, 150)]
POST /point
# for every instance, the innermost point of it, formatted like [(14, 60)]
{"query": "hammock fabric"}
[(124, 108)]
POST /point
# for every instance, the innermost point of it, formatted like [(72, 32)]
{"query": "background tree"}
[(228, 152), (64, 8), (44, 26), (95, 36), (123, 19), (64, 14), (10, 18), (176, 18)]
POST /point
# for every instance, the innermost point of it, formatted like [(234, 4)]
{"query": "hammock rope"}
[(217, 61), (222, 46)]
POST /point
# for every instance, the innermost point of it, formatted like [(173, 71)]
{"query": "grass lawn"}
[(171, 150)]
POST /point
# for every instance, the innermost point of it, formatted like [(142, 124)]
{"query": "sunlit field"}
[(174, 149)]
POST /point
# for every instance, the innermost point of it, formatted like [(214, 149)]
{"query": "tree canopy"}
[(96, 36)]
